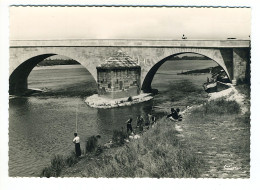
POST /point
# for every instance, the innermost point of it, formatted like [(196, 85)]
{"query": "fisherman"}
[(129, 125), (76, 141)]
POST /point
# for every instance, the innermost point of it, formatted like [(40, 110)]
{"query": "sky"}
[(48, 23)]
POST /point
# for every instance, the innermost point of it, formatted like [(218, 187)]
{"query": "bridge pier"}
[(241, 65), (18, 79), (19, 87)]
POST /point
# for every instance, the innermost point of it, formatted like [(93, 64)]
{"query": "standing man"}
[(129, 125), (76, 141)]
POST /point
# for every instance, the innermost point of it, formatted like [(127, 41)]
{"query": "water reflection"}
[(115, 118)]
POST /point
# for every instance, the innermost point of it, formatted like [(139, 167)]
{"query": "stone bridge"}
[(232, 55)]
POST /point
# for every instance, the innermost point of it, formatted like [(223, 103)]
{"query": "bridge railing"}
[(131, 43)]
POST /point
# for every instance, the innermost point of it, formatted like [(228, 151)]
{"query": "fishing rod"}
[(77, 118)]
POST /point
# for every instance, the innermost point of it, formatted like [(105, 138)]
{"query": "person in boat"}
[(76, 141), (129, 125)]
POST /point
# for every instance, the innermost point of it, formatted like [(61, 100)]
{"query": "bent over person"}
[(76, 141)]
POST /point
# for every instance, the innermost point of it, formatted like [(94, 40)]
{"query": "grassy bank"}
[(221, 133), (213, 140), (158, 153)]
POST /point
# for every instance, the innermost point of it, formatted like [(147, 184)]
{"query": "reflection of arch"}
[(213, 55), (18, 78)]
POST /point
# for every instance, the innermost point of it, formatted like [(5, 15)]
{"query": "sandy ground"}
[(96, 101)]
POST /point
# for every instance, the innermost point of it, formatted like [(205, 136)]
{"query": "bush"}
[(71, 160), (91, 144), (119, 137), (57, 164), (222, 106), (47, 172), (219, 107)]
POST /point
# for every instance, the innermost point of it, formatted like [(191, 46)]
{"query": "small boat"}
[(210, 86)]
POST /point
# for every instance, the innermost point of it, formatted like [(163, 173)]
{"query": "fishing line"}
[(77, 118)]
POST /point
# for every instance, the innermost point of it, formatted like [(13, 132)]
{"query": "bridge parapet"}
[(132, 43)]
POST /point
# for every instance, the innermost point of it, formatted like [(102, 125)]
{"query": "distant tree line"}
[(50, 62), (189, 58), (213, 70)]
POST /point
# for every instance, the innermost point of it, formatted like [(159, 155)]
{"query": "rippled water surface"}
[(42, 125)]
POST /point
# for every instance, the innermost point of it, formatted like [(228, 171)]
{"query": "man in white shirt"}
[(76, 141)]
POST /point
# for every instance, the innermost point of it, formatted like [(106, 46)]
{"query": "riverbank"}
[(220, 131), (159, 152), (213, 140)]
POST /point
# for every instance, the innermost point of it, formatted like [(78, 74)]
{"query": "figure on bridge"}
[(184, 37)]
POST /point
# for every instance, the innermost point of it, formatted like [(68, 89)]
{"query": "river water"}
[(42, 125)]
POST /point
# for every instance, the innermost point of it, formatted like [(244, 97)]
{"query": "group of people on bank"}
[(141, 126)]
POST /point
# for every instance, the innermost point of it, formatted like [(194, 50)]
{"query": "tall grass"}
[(58, 162), (159, 153), (217, 127), (218, 107), (119, 137)]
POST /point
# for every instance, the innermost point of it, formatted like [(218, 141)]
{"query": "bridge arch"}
[(148, 75), (18, 78)]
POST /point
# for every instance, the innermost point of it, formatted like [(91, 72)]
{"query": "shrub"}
[(57, 163), (91, 144), (47, 172), (222, 106), (217, 107), (119, 137), (71, 160)]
